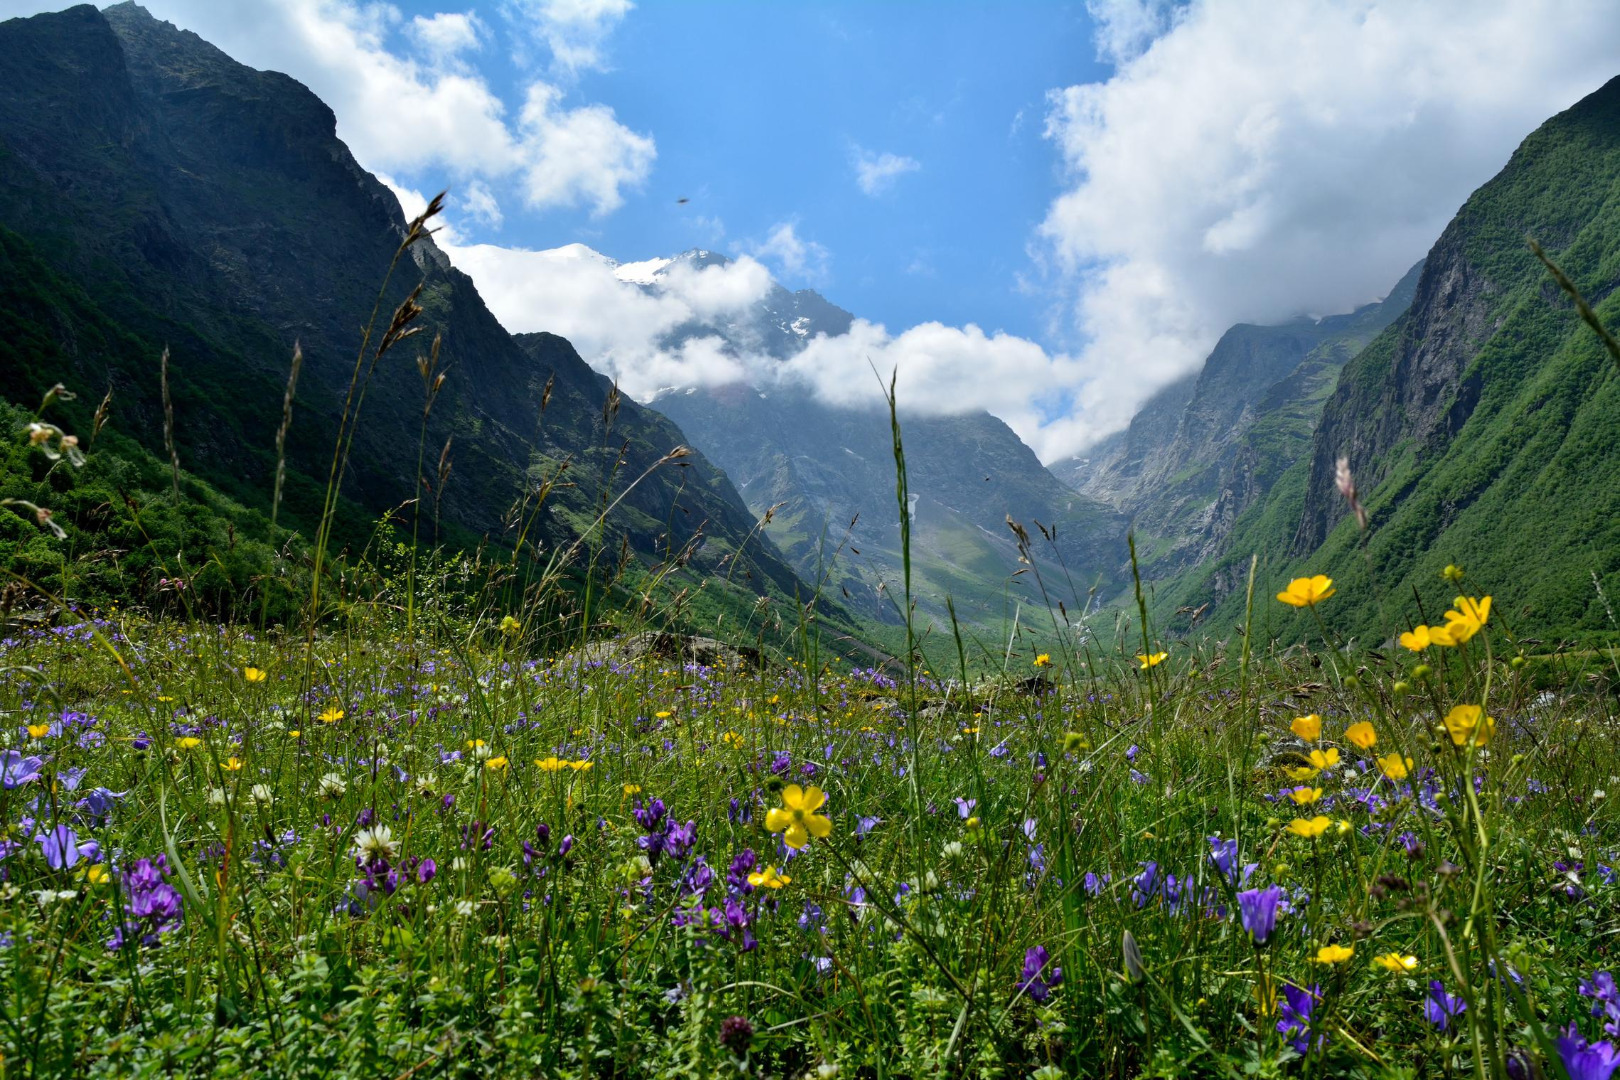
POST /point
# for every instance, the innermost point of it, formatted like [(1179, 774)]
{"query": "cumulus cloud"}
[(1253, 161), (795, 256), (574, 31), (580, 155), (876, 173), (620, 328), (404, 112), (445, 36)]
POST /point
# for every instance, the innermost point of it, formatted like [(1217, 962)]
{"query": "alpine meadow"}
[(431, 647)]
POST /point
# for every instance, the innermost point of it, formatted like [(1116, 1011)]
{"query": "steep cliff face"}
[(1205, 449), (1483, 427), (211, 208)]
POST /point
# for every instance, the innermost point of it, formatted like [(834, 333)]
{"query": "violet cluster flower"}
[(1440, 1008), (737, 874), (1257, 911), (1605, 995), (1040, 975), (1586, 1061), (152, 905), (1295, 1012)]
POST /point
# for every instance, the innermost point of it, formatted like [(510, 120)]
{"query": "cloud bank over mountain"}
[(1253, 161)]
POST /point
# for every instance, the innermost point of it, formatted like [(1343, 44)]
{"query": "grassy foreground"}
[(230, 853)]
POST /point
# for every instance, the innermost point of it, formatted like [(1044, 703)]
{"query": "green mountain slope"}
[(1483, 427), (1206, 449), (177, 198)]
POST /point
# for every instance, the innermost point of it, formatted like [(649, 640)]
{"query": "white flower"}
[(333, 786), (953, 850), (464, 908), (216, 796), (261, 794), (376, 843)]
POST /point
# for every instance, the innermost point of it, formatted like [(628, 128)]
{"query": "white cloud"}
[(1254, 161), (795, 256), (479, 203), (876, 173), (1124, 28), (580, 155), (574, 30), (445, 36), (403, 115), (619, 328)]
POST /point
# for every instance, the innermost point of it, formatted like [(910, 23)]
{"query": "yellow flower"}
[(731, 738), (551, 764), (971, 823), (1151, 659), (96, 875), (1310, 828), (965, 731), (1452, 572), (1325, 759), (1466, 619), (497, 763), (1334, 954), (295, 733), (232, 764), (331, 715), (1043, 660), (1394, 766), (165, 697), (580, 766), (1304, 796), (38, 731), (474, 744), (1418, 638), (1301, 773), (769, 878), (1307, 591), (632, 789), (796, 818), (1306, 727), (663, 714), (1394, 961), (188, 742), (1362, 734), (510, 626), (253, 674), (1469, 721)]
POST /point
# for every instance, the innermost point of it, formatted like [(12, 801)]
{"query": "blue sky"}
[(761, 110), (1065, 204)]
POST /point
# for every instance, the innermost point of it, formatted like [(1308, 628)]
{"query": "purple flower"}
[(964, 807), (1440, 1007), (1295, 1025), (1602, 990), (1038, 978), (1146, 885), (153, 906), (17, 770), (426, 872), (1257, 910), (1224, 854), (741, 867), (866, 824), (1584, 1060), (62, 849)]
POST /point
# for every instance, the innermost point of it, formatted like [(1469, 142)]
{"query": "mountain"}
[(175, 198), (1482, 426), (827, 475), (1208, 447)]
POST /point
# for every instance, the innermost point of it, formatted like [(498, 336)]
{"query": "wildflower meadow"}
[(413, 828)]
